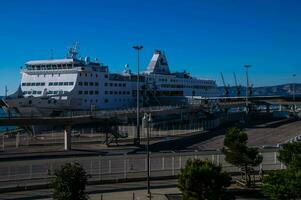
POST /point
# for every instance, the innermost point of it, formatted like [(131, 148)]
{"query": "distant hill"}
[(278, 90)]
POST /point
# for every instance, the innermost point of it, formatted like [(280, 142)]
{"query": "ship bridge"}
[(58, 64)]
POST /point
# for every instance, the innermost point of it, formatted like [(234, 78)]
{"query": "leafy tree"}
[(70, 182), (290, 155), (283, 184), (239, 154), (203, 180)]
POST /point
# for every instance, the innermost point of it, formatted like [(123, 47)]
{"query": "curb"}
[(92, 182)]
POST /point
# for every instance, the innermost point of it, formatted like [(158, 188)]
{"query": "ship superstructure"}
[(49, 87)]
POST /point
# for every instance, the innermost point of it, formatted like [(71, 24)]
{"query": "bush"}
[(290, 155), (283, 184), (203, 180), (70, 182)]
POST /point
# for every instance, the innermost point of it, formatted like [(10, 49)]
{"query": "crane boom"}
[(235, 79), (223, 79), (226, 89), (238, 87)]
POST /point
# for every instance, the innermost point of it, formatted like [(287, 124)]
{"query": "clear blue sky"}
[(204, 37)]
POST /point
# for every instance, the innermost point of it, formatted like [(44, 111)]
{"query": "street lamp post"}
[(147, 120), (137, 136)]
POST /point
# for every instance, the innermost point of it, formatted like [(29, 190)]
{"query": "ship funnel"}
[(158, 64)]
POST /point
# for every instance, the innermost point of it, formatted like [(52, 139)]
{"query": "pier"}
[(199, 110)]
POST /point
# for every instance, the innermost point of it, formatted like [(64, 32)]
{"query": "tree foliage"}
[(203, 180), (70, 182), (238, 153), (283, 184), (290, 155)]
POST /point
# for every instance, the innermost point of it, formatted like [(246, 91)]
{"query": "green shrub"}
[(70, 182), (203, 180)]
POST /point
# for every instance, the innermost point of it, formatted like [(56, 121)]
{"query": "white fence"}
[(119, 167)]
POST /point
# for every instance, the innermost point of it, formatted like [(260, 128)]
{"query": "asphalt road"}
[(92, 189), (269, 134), (120, 163)]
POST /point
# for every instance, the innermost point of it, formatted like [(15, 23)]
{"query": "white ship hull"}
[(52, 87)]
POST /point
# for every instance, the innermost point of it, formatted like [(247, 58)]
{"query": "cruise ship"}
[(52, 87)]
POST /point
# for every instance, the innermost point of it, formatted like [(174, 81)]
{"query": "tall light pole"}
[(137, 137), (147, 120), (247, 87)]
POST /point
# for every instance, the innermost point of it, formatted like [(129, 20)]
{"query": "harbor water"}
[(4, 128)]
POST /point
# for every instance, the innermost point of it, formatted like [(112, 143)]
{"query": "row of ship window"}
[(50, 83), (33, 92), (115, 84), (88, 83), (175, 80), (34, 84), (186, 86), (50, 67), (91, 92), (60, 83), (86, 74), (118, 92), (107, 100)]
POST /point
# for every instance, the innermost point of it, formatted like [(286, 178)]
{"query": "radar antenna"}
[(73, 51)]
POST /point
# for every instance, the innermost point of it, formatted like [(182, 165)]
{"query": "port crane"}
[(226, 88), (249, 88), (238, 86)]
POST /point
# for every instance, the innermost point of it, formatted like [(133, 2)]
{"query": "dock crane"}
[(226, 88), (238, 86), (249, 88)]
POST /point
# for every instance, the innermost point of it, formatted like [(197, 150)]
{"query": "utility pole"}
[(137, 136), (247, 88), (147, 120)]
